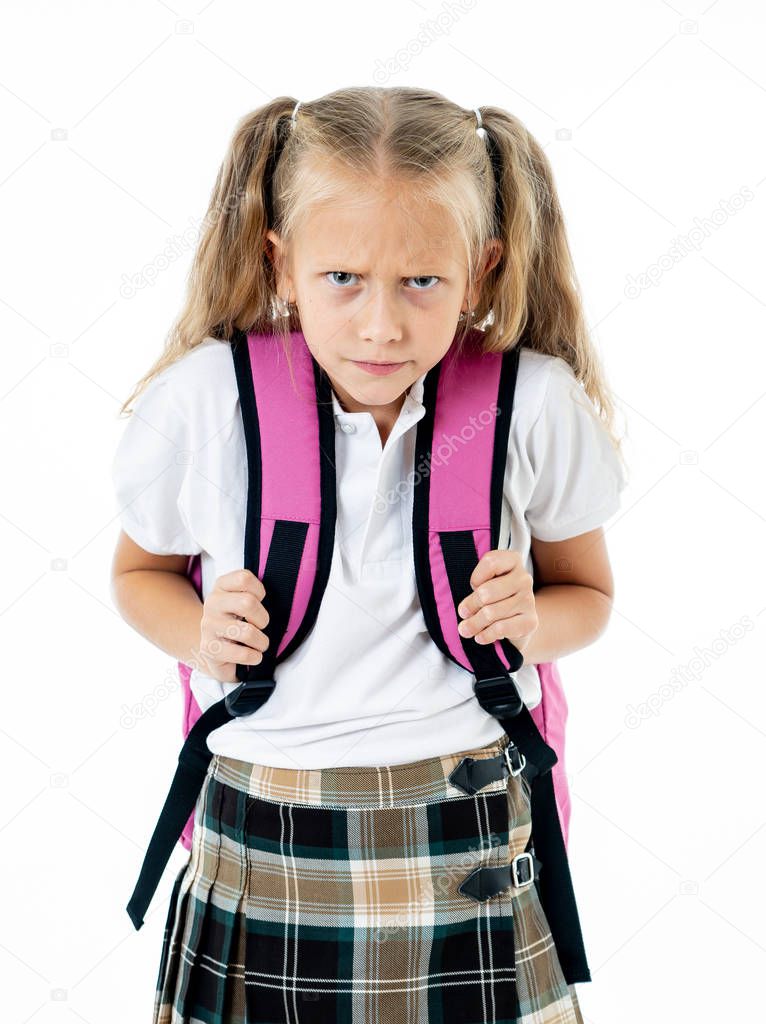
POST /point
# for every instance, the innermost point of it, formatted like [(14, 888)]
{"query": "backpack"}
[(550, 717), (288, 421)]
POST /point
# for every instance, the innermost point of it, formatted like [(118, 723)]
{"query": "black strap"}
[(280, 579), (554, 884), (506, 392), (496, 691), (472, 774), (488, 880), (192, 767), (460, 558)]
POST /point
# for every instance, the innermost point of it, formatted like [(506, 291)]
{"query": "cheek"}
[(444, 317), (318, 321)]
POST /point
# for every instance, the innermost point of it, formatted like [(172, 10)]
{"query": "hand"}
[(502, 604), (231, 626)]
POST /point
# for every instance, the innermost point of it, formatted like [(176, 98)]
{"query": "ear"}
[(493, 250), (275, 250)]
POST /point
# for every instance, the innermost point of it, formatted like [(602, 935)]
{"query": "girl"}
[(381, 228)]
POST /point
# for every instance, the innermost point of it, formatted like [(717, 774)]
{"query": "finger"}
[(488, 614), (242, 580), (225, 651), (492, 563), (243, 632), (509, 628), (496, 589), (245, 606)]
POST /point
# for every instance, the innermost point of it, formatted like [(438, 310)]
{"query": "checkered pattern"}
[(330, 895)]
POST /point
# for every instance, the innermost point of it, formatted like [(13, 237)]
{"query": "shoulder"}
[(554, 421), (544, 383), (185, 405), (200, 387), (202, 368)]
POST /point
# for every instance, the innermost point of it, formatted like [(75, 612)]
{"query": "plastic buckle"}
[(518, 860), (498, 695), (249, 696), (519, 762)]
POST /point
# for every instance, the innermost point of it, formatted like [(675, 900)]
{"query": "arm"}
[(573, 595), (155, 597)]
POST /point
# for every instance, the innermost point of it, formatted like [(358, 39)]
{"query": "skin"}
[(378, 282), (383, 283), (566, 607)]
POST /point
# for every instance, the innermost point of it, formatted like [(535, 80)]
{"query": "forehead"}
[(378, 227)]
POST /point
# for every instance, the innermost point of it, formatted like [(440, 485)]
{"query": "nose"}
[(380, 319)]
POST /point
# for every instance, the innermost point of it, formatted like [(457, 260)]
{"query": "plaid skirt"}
[(332, 895)]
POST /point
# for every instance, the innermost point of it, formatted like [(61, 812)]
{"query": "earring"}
[(463, 314), (283, 306)]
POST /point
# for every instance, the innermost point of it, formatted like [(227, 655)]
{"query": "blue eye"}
[(425, 277), (342, 273), (348, 273)]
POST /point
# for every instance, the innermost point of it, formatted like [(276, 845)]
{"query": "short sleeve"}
[(149, 472), (578, 476)]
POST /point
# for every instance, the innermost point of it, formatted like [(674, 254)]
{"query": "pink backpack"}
[(289, 431), (550, 717)]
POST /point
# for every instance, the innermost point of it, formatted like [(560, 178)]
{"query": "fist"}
[(231, 630), (502, 603)]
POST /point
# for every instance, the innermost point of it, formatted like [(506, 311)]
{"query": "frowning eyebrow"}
[(428, 265)]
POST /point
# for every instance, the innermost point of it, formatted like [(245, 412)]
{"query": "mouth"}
[(377, 367)]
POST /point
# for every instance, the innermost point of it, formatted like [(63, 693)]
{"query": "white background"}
[(116, 118)]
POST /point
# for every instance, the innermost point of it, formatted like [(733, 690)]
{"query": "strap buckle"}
[(249, 696), (523, 875), (499, 696), (514, 759)]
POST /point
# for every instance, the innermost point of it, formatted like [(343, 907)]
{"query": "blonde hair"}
[(428, 149)]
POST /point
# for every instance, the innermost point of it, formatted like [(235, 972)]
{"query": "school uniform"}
[(322, 878)]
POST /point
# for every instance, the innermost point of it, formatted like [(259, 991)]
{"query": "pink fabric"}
[(550, 717), (460, 481), (191, 709), (461, 471), (288, 422)]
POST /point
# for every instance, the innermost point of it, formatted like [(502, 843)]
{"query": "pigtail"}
[(232, 277), (231, 280), (533, 290)]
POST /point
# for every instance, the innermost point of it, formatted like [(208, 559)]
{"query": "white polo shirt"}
[(368, 686)]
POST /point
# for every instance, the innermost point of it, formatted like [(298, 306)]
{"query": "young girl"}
[(380, 228)]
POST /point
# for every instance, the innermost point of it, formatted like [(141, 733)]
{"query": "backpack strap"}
[(461, 449), (289, 536), (460, 462), (291, 501)]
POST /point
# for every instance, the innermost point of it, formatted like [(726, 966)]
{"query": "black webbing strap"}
[(496, 692), (554, 884), (279, 580), (460, 558), (192, 767)]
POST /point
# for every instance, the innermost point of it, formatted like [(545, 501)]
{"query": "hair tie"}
[(295, 111), (481, 130)]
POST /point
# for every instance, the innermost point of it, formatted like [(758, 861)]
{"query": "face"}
[(376, 284)]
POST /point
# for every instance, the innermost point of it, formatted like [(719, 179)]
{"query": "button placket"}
[(412, 410), (372, 524), (388, 480)]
